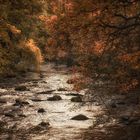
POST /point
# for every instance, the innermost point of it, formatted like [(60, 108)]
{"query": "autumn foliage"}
[(101, 37), (20, 28)]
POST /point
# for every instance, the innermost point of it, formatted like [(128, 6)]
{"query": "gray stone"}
[(20, 102), (46, 92), (41, 110), (21, 88), (54, 98), (76, 99), (80, 117), (62, 89)]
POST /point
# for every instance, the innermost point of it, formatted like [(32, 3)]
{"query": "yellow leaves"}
[(14, 29), (31, 45), (31, 56), (42, 17)]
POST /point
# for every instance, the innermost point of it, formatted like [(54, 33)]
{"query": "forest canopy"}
[(100, 37), (19, 25)]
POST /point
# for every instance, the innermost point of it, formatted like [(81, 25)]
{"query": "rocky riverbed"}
[(44, 106)]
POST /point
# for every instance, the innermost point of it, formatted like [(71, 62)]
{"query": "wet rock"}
[(41, 110), (21, 88), (73, 94), (20, 102), (80, 117), (42, 126), (37, 100), (35, 82), (46, 92), (76, 99), (54, 98), (41, 75), (22, 115), (3, 101), (44, 82), (10, 114), (62, 89)]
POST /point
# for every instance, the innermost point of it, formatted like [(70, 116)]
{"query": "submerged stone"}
[(76, 99), (54, 98), (41, 110), (20, 102), (3, 101), (21, 88), (10, 114), (41, 127), (62, 89), (80, 117), (46, 92)]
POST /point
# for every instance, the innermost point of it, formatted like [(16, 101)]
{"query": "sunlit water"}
[(58, 113)]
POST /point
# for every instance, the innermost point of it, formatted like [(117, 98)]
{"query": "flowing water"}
[(52, 80)]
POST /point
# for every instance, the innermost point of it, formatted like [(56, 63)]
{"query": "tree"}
[(19, 23), (101, 36)]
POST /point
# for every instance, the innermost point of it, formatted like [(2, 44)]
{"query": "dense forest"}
[(98, 40)]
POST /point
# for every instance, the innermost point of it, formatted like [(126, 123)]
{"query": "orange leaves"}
[(51, 42), (42, 17), (131, 59), (129, 85), (51, 20), (69, 6), (13, 29), (96, 49), (31, 46)]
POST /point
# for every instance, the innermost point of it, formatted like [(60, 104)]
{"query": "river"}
[(22, 120)]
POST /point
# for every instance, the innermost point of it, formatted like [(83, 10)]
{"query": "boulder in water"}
[(46, 92), (62, 89), (80, 117), (21, 88), (54, 98), (3, 101), (20, 102), (76, 99), (41, 127), (41, 110), (10, 114)]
